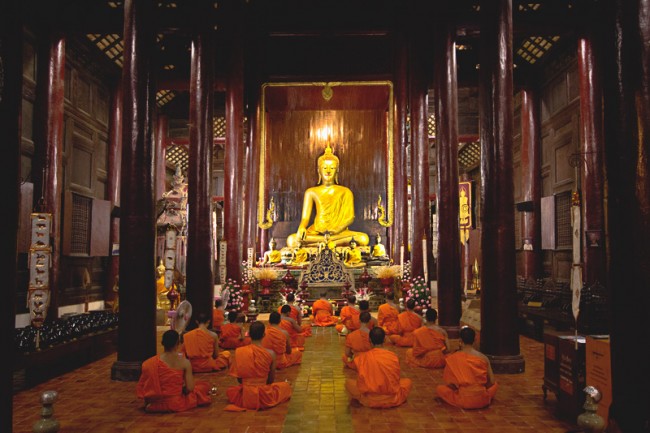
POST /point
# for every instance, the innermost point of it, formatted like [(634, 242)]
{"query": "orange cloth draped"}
[(388, 320), (198, 347), (295, 315), (349, 318), (160, 285), (252, 364), (161, 387), (218, 317), (428, 345), (469, 373), (230, 333), (408, 322), (358, 341), (297, 338), (378, 383), (276, 340), (322, 312)]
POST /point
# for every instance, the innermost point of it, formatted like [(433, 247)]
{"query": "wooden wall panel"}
[(100, 228)]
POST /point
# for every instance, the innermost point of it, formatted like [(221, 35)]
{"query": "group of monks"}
[(167, 383)]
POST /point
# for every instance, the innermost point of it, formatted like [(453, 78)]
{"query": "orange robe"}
[(218, 317), (295, 315), (469, 373), (378, 383), (388, 319), (349, 319), (276, 340), (428, 345), (322, 312), (229, 339), (198, 347), (408, 322), (297, 338), (358, 341), (161, 387), (252, 364)]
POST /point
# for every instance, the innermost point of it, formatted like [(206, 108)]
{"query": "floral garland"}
[(420, 292), (236, 299)]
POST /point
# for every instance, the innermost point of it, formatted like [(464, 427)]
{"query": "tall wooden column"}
[(137, 330), (234, 158), (446, 111), (162, 128), (531, 182), (11, 51), (593, 215), (626, 121), (499, 336), (48, 167), (200, 281), (113, 179), (253, 162)]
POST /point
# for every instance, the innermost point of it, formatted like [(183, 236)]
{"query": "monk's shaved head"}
[(377, 335), (256, 331), (274, 318)]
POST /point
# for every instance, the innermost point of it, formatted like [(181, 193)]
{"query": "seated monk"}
[(378, 383), (232, 333), (334, 205), (166, 383), (430, 344), (254, 368), (322, 311), (293, 329), (364, 306), (388, 315), (353, 256), (357, 341), (296, 314), (409, 321), (278, 340), (272, 256), (218, 315), (469, 377), (349, 313), (201, 347)]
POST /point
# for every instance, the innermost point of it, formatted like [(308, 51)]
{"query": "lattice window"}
[(164, 96), (469, 155), (431, 125), (111, 45), (563, 220), (178, 154), (533, 48), (80, 229), (219, 127)]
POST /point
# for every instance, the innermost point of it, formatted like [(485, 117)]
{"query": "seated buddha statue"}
[(300, 255), (273, 256), (378, 253), (334, 206), (353, 256)]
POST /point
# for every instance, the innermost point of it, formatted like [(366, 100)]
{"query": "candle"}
[(424, 259), (401, 258)]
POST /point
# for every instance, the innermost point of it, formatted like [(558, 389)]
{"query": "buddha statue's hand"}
[(301, 233)]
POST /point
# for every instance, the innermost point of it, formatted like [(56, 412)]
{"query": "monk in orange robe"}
[(218, 316), (388, 315), (430, 344), (201, 347), (378, 383), (232, 333), (278, 340), (166, 383), (357, 341), (296, 314), (296, 335), (349, 317), (409, 321), (254, 368), (469, 377), (364, 306), (322, 312)]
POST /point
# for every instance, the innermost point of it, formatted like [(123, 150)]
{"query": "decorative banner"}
[(576, 273), (170, 255), (464, 210), (40, 252), (223, 248)]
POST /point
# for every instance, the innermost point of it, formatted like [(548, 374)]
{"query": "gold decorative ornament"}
[(269, 216), (327, 92)]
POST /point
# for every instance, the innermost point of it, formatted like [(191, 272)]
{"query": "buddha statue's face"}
[(327, 171)]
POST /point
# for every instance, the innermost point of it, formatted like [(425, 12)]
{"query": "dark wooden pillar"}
[(200, 281), (531, 182), (113, 184), (11, 50), (446, 111), (234, 158), (137, 330), (499, 336), (48, 167), (400, 228), (252, 164), (162, 128), (593, 216), (627, 122)]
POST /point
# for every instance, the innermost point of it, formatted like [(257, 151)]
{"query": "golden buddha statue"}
[(300, 255), (273, 256), (334, 209), (378, 250), (353, 255)]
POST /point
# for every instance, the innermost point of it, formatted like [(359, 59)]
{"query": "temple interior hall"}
[(168, 159)]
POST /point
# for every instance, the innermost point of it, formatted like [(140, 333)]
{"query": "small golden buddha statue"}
[(300, 255), (378, 250), (353, 255), (273, 256), (334, 205)]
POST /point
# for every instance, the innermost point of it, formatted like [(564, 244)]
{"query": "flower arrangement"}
[(362, 293), (392, 271), (235, 297), (406, 274), (420, 292)]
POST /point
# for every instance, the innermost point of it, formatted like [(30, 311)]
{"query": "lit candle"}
[(401, 258), (424, 259)]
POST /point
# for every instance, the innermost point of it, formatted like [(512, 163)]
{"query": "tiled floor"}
[(90, 402)]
